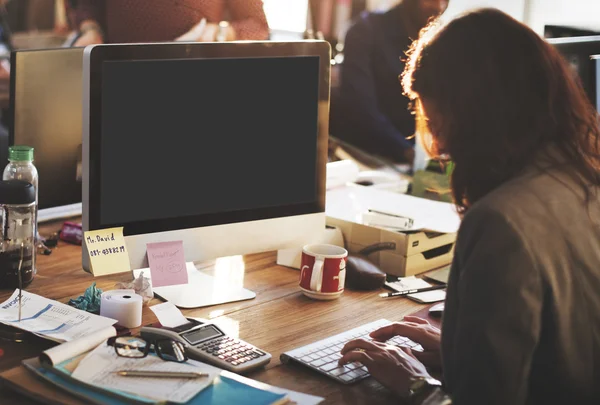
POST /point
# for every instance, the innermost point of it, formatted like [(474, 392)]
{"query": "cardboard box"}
[(414, 252), (429, 246)]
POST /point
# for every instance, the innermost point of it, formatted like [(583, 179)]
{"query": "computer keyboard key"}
[(346, 377), (332, 357), (355, 374), (339, 370), (329, 366), (317, 363)]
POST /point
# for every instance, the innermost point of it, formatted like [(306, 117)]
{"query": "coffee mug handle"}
[(316, 278)]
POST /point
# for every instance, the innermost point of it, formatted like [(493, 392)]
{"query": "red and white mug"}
[(323, 271)]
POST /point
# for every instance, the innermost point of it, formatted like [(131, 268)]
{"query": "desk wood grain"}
[(280, 318)]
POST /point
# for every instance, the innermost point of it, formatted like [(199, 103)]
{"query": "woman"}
[(522, 317)]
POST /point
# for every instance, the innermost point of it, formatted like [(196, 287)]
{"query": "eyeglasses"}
[(135, 347)]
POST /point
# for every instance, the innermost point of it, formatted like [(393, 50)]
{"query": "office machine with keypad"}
[(208, 343)]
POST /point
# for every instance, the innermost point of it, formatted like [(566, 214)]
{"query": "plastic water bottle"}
[(20, 167)]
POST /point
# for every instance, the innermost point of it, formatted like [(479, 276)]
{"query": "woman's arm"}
[(87, 10), (248, 19), (88, 17), (492, 318)]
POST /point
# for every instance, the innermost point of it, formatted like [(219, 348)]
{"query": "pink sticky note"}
[(167, 263)]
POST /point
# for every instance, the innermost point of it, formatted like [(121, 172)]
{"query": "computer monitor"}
[(563, 31), (596, 59), (46, 114), (220, 145), (578, 51)]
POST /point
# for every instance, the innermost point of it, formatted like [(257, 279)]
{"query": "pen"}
[(20, 275), (160, 374), (414, 290)]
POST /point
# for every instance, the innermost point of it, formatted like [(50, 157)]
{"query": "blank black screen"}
[(191, 137), (597, 61)]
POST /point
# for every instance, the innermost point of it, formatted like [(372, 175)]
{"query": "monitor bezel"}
[(98, 54), (583, 47)]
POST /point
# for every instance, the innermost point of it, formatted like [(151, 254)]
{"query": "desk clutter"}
[(415, 288), (205, 341), (168, 277), (96, 365)]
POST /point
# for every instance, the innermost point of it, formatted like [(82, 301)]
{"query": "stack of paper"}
[(99, 368), (349, 204), (51, 319)]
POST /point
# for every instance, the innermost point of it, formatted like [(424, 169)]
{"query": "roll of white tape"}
[(123, 305)]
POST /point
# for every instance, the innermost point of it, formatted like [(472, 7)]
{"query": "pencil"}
[(160, 374)]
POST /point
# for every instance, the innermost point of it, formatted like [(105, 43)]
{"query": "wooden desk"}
[(280, 318)]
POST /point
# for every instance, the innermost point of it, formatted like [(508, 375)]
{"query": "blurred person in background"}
[(127, 21), (371, 112)]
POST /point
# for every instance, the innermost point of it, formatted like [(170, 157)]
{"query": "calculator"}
[(206, 342)]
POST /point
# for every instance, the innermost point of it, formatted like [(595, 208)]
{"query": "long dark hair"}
[(503, 95)]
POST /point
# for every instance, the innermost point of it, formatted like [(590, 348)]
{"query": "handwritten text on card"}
[(107, 250), (167, 263)]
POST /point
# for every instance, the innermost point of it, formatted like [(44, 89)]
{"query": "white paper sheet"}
[(99, 367), (68, 350), (168, 315), (50, 319), (407, 283), (349, 204)]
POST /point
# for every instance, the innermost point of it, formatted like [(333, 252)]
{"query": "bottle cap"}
[(20, 153), (16, 192)]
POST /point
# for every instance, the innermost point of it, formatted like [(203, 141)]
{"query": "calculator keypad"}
[(231, 350)]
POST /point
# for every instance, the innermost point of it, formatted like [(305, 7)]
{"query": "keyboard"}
[(323, 355)]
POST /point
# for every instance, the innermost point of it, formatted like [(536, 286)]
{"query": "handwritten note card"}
[(107, 250), (167, 263)]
